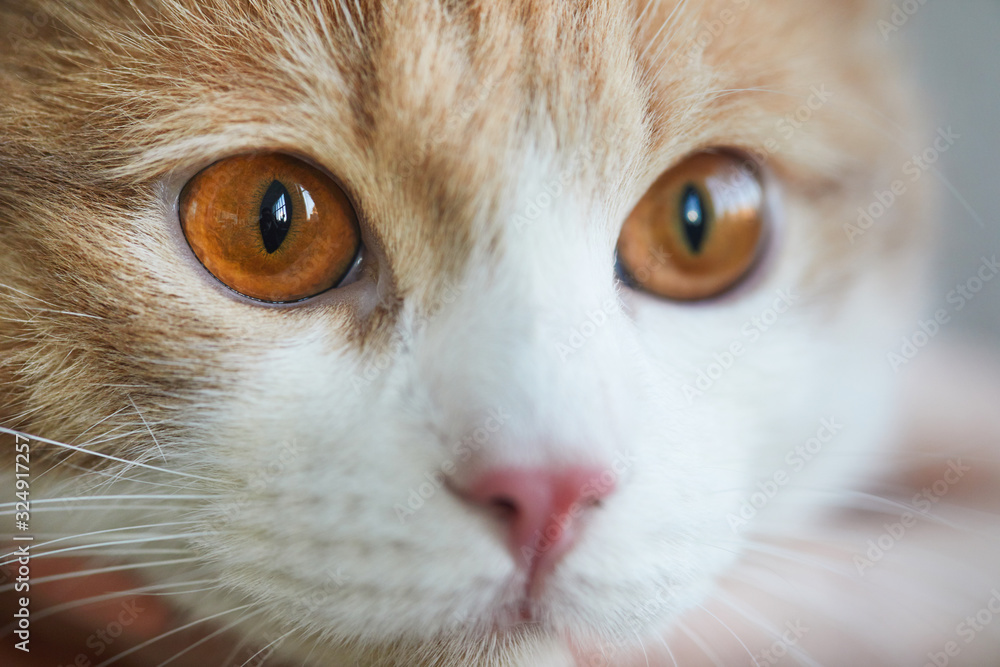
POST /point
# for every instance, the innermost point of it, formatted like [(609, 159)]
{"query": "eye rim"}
[(771, 232), (363, 266)]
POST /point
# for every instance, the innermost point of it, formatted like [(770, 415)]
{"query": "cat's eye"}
[(697, 231), (270, 227)]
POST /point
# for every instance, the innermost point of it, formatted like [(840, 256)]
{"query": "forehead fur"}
[(419, 108)]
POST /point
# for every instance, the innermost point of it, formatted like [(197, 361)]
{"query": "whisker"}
[(666, 646), (235, 650), (99, 422), (137, 496), (101, 508), (731, 631), (223, 629), (154, 538), (698, 641), (768, 630), (109, 457), (269, 645), (115, 478), (146, 424), (667, 22), (100, 570), (163, 636), (111, 530), (152, 589), (114, 553)]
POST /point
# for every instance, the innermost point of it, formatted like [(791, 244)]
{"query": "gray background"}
[(956, 46)]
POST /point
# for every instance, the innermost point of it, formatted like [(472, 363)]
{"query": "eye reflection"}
[(275, 216)]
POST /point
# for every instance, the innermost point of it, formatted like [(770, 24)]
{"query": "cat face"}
[(491, 155)]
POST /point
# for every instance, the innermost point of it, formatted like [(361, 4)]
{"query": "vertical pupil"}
[(275, 216), (694, 222)]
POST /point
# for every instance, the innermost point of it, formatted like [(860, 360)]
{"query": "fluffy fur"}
[(295, 433)]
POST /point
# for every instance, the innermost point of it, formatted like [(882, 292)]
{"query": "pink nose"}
[(541, 507)]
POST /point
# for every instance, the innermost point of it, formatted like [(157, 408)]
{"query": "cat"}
[(472, 333)]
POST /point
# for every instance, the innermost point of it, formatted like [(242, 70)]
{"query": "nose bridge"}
[(546, 355)]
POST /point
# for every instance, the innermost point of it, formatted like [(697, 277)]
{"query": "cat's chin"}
[(547, 629)]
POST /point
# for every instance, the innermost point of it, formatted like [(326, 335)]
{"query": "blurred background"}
[(956, 45)]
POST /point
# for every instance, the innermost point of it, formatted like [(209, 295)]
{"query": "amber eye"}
[(697, 231), (270, 227)]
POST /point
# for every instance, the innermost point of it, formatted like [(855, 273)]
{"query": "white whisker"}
[(269, 645), (100, 570), (154, 538), (151, 434), (131, 496), (222, 630), (732, 632), (109, 457), (163, 636), (152, 589)]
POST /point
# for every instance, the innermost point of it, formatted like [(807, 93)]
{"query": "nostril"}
[(505, 506), (541, 508)]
